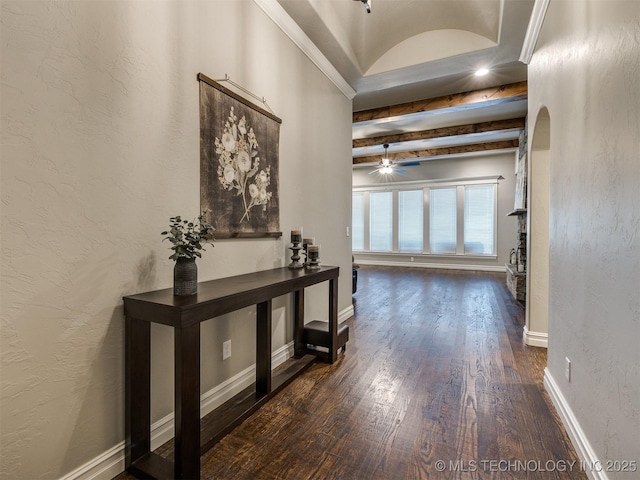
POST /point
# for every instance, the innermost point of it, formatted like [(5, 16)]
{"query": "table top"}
[(223, 295)]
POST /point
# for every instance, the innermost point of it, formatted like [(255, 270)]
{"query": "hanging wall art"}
[(239, 145), (520, 200)]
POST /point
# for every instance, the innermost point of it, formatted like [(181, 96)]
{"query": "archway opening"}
[(537, 312)]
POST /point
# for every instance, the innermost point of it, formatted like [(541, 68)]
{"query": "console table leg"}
[(298, 323), (263, 348), (137, 389), (333, 319), (187, 402)]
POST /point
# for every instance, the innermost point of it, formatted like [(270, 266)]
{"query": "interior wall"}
[(100, 146), (492, 164), (538, 216), (586, 72)]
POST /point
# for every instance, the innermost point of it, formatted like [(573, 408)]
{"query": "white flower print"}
[(239, 165)]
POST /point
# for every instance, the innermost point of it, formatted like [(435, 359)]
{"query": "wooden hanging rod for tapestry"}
[(214, 83)]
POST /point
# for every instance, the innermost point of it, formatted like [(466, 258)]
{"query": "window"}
[(381, 221), (410, 220), (446, 218), (357, 222), (479, 218), (443, 215)]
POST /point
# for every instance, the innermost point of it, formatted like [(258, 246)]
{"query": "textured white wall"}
[(586, 71), (100, 146), (464, 167)]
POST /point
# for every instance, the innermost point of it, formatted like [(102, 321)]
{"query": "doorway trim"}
[(536, 330)]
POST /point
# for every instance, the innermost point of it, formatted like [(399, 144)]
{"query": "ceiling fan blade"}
[(401, 171), (373, 171), (411, 164)]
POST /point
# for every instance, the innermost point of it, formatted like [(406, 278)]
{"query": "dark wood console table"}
[(184, 314)]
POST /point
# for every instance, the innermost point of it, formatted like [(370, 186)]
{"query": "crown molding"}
[(533, 30), (280, 17)]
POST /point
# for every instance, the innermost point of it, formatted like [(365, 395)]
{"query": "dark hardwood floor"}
[(435, 384)]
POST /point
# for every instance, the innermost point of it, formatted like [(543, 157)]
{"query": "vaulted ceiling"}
[(406, 52)]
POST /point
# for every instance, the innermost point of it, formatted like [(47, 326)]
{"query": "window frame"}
[(394, 221), (364, 219), (398, 229), (426, 187), (495, 220)]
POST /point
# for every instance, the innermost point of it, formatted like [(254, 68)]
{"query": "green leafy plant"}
[(188, 238)]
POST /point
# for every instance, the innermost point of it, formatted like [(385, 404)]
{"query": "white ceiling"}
[(406, 50), (432, 47)]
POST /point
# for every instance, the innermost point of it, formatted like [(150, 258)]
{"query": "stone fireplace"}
[(517, 281), (517, 273)]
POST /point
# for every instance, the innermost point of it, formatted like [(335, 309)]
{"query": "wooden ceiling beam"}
[(433, 152), (494, 126), (487, 96)]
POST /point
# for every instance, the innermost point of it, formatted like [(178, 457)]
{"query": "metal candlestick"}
[(295, 258)]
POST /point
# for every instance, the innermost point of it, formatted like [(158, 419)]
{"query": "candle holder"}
[(313, 257), (296, 238), (305, 243), (295, 258)]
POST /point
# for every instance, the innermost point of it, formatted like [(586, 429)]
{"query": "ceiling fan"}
[(386, 166), (367, 4)]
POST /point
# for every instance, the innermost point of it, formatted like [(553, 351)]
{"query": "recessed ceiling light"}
[(482, 72)]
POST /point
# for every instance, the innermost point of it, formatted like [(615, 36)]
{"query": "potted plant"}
[(187, 241)]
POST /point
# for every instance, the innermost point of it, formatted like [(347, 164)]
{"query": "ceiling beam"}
[(433, 152), (476, 98), (494, 126)]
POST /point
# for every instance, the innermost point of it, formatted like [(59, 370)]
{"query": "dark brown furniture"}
[(354, 275), (184, 314), (316, 334)]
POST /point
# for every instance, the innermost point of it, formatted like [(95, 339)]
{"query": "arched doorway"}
[(537, 313)]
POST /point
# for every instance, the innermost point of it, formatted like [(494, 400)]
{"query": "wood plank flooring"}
[(435, 384)]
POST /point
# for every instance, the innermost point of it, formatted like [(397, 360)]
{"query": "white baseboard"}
[(346, 314), (535, 339), (105, 466), (444, 266), (111, 463), (589, 462), (162, 430)]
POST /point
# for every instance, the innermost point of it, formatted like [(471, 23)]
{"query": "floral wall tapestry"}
[(239, 144), (520, 202)]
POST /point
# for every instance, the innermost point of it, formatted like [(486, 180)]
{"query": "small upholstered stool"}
[(316, 333)]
